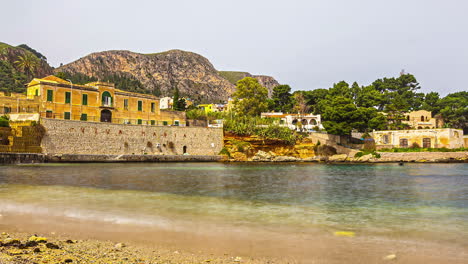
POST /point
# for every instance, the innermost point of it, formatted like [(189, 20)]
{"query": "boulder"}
[(262, 156), (364, 158), (239, 156), (285, 159), (338, 158)]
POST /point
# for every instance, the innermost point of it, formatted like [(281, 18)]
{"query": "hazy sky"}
[(306, 44)]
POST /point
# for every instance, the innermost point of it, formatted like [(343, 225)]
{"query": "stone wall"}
[(77, 137)]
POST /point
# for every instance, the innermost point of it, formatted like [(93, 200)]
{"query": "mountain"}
[(18, 65), (266, 81), (159, 73)]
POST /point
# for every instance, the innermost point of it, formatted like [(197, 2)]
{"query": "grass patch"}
[(233, 76)]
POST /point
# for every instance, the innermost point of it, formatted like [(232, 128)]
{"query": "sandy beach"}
[(70, 241)]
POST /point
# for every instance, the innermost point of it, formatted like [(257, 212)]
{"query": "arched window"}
[(294, 122), (313, 122), (422, 118), (106, 99)]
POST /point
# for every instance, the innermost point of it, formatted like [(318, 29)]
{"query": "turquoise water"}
[(415, 200)]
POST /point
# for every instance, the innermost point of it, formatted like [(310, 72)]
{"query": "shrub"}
[(225, 151), (415, 145), (4, 121)]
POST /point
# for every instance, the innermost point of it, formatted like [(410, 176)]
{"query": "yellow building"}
[(99, 102), (208, 108)]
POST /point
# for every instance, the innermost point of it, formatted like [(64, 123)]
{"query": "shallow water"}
[(423, 201)]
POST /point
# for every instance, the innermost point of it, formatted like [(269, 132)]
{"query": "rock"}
[(312, 159), (239, 156), (52, 246), (37, 250), (11, 242), (31, 244), (364, 158), (338, 158), (390, 257), (285, 159), (68, 260), (70, 241), (38, 239), (262, 156), (119, 246), (237, 259)]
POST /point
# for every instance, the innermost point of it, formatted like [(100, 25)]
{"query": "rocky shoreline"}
[(23, 248), (383, 157)]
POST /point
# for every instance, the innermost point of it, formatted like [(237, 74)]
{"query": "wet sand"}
[(212, 243)]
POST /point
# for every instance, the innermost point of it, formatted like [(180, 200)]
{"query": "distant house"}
[(299, 122), (208, 108), (165, 103), (425, 138), (422, 119)]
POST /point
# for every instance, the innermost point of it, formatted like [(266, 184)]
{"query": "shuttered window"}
[(140, 105), (50, 95)]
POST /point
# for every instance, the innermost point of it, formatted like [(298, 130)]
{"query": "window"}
[(426, 142), (49, 114), (153, 106), (84, 117), (67, 97), (126, 104), (85, 99), (176, 123), (50, 95), (6, 110), (164, 123), (106, 99), (385, 139), (403, 142), (140, 105), (66, 115), (140, 121), (36, 93), (153, 122)]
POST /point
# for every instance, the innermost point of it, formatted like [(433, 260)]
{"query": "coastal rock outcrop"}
[(338, 158)]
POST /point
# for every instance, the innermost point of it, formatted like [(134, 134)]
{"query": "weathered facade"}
[(76, 137), (422, 119), (97, 101), (425, 138)]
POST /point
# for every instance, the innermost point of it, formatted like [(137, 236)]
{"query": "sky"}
[(307, 44)]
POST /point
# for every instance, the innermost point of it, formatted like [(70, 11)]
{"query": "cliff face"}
[(160, 73)]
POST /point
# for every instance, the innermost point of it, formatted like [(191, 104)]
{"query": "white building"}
[(299, 122), (165, 102)]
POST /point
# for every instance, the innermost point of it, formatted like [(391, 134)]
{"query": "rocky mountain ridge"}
[(160, 73)]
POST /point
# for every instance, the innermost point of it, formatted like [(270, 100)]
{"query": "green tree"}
[(27, 63), (431, 103), (454, 110), (250, 98), (282, 99)]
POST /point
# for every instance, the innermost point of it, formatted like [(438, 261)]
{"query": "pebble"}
[(238, 259), (119, 246)]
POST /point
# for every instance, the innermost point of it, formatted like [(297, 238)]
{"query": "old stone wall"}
[(77, 137)]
